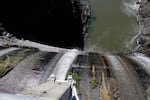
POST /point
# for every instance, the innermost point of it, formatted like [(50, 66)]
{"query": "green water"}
[(111, 29)]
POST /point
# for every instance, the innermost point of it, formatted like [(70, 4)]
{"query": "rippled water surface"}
[(113, 25)]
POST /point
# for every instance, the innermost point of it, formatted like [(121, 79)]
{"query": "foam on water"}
[(131, 42), (130, 7)]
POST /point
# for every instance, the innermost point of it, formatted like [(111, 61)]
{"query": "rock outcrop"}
[(85, 8), (143, 18)]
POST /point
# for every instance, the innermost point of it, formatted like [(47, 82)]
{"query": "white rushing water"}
[(130, 7), (132, 42), (143, 61)]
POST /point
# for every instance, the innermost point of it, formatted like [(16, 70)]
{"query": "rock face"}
[(82, 8), (86, 16), (143, 17), (47, 21)]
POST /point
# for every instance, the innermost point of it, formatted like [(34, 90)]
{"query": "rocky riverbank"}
[(86, 16), (83, 8), (143, 18)]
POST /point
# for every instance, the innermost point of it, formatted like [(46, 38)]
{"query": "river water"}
[(113, 25)]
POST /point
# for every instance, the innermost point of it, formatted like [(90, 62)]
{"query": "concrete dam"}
[(33, 73), (33, 70)]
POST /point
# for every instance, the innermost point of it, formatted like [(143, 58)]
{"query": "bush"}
[(76, 77), (7, 65), (94, 83)]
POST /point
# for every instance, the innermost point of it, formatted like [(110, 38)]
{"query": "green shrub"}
[(7, 65), (94, 83), (76, 77), (14, 59)]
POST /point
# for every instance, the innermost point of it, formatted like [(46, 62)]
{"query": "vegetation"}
[(7, 64), (75, 76), (14, 59), (94, 83), (148, 93)]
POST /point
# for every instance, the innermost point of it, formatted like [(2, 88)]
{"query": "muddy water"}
[(113, 25)]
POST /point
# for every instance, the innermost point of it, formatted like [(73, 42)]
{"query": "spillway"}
[(143, 61), (127, 80)]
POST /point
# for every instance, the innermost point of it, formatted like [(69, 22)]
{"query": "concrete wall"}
[(66, 95)]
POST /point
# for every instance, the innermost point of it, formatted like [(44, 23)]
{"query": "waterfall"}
[(143, 61), (131, 43)]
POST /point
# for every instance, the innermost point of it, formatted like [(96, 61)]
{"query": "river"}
[(113, 27)]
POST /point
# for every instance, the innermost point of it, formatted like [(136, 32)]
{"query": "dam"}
[(97, 76), (34, 71)]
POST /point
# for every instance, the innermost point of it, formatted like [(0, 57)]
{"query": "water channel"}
[(113, 27)]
